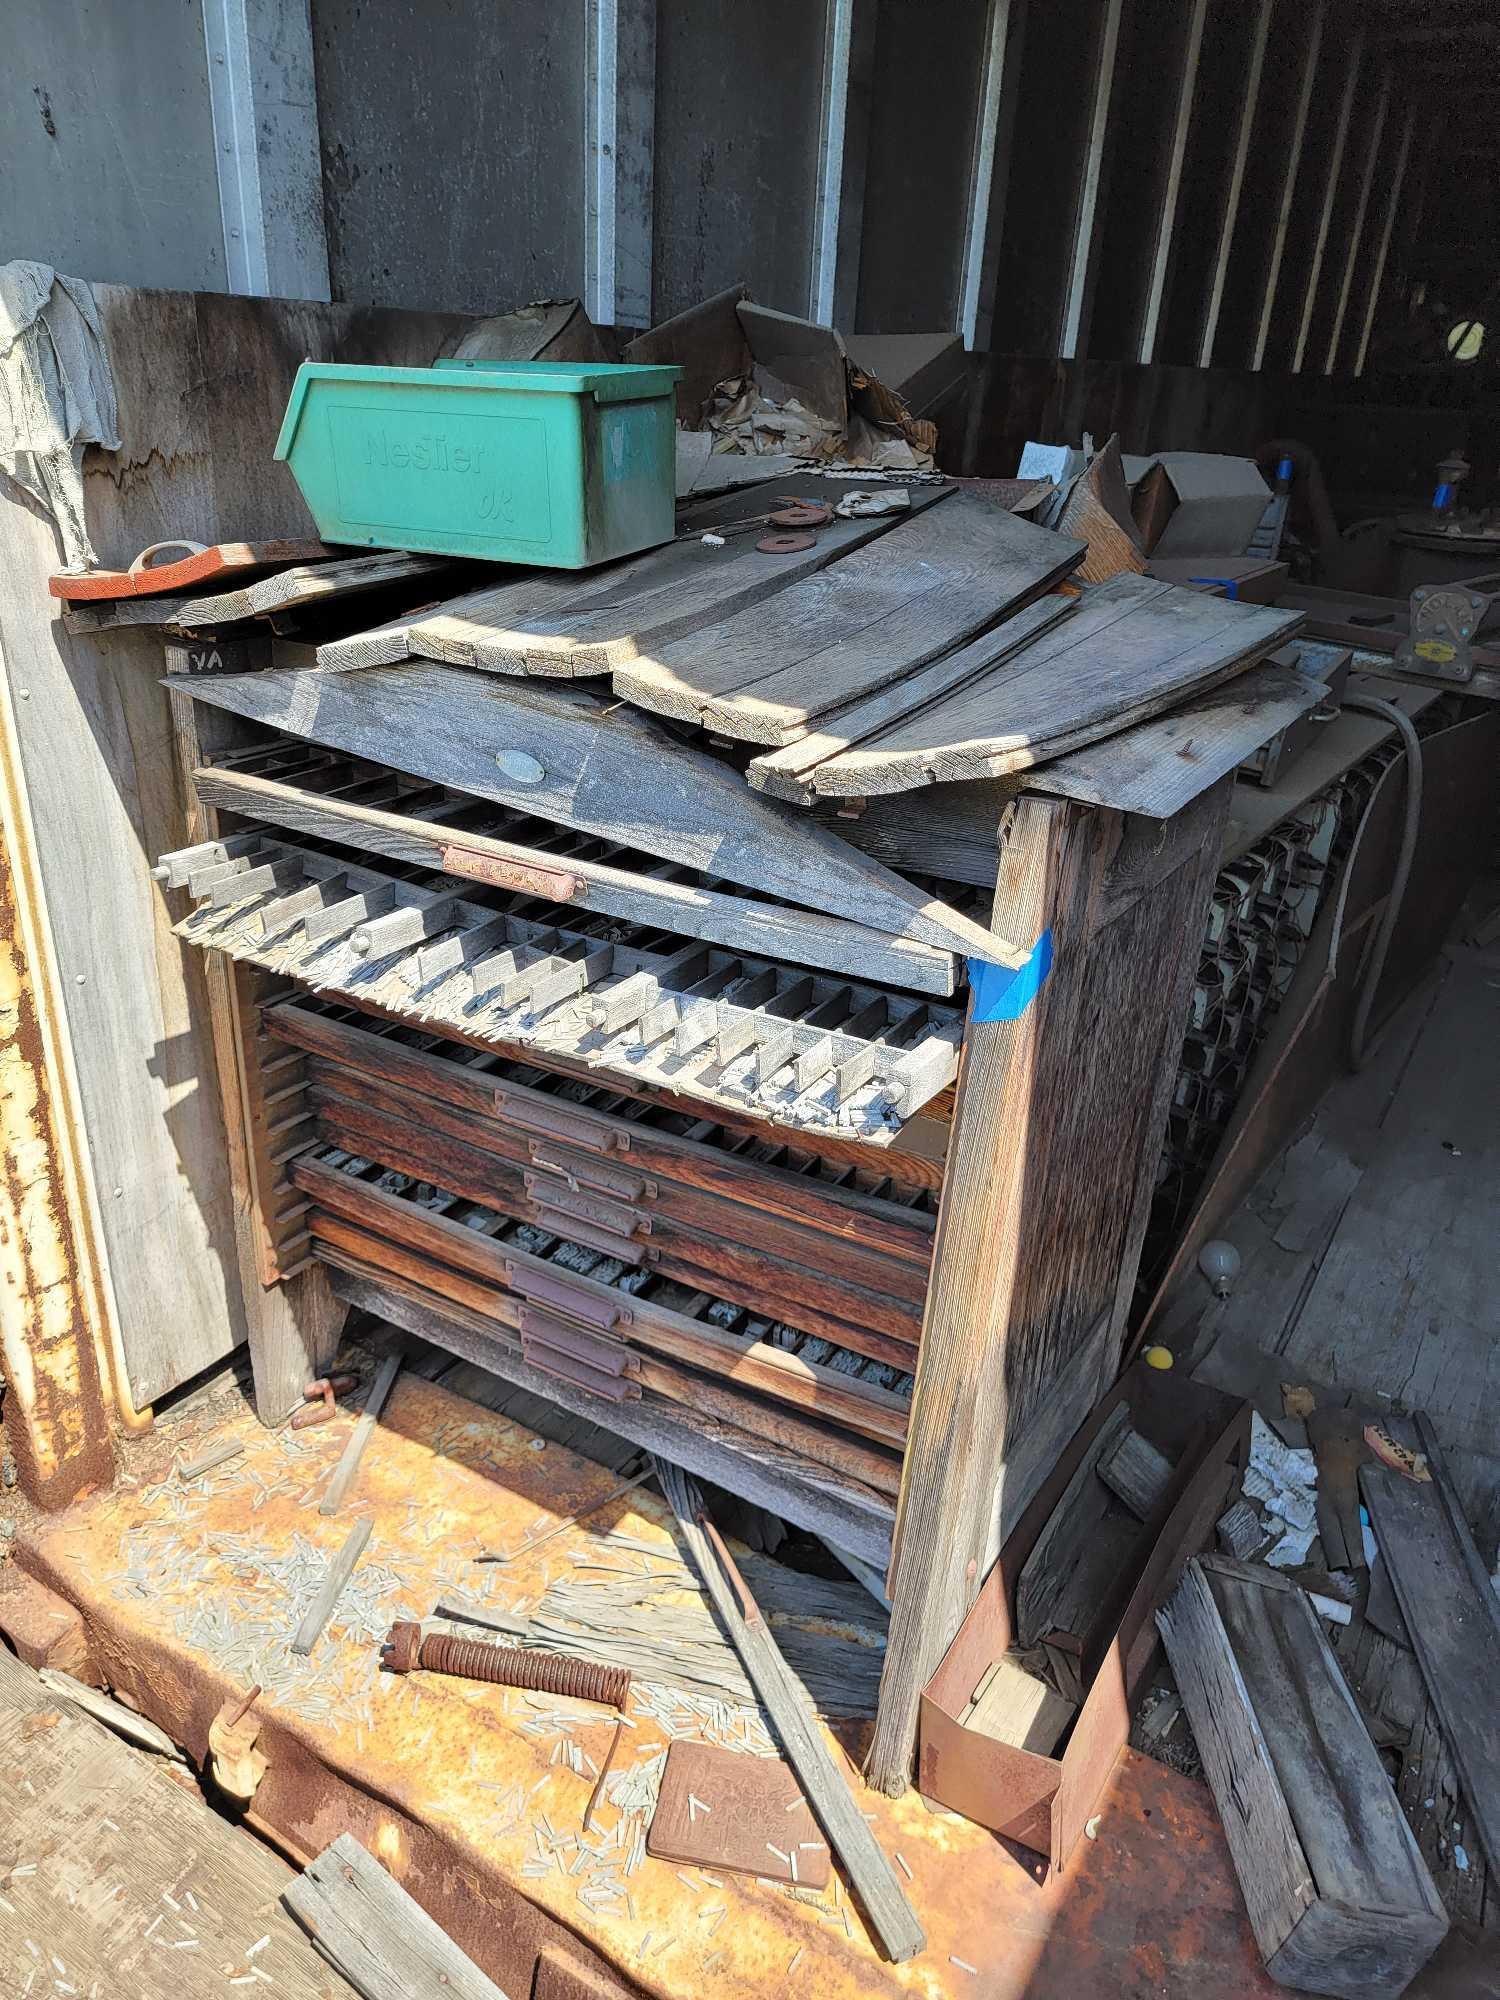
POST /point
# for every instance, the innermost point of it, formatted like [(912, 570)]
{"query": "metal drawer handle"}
[(601, 1315), (609, 1181), (553, 1122)]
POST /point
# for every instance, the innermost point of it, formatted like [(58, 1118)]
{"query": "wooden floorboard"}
[(116, 1881)]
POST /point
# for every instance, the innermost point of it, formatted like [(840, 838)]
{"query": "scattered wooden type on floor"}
[(717, 1808), (348, 1464), (1338, 1895), (380, 1939), (1136, 1472), (340, 1569), (1014, 1706), (870, 1873), (1452, 1616)]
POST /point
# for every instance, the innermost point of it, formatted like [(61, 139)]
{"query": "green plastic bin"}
[(549, 462)]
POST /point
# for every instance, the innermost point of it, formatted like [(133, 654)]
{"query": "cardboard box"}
[(1045, 1802), (1198, 503)]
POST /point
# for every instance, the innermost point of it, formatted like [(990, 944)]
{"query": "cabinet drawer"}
[(702, 1199), (584, 1318)]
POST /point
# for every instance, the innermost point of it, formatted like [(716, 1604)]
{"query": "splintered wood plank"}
[(240, 560), (378, 1936), (1160, 766), (563, 755), (96, 1838), (786, 773), (805, 937), (1135, 647), (1453, 1624), (563, 625), (765, 673)]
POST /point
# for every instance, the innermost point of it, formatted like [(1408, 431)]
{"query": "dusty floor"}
[(474, 1795)]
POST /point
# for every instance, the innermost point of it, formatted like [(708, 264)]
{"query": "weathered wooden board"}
[(563, 625), (238, 561), (97, 1839), (380, 1938), (1453, 1623), (562, 754), (786, 773), (773, 930), (286, 590), (1338, 1895), (765, 673), (1134, 648), (1161, 765)]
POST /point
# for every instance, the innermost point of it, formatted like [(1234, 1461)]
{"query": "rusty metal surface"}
[(720, 1810), (56, 1420), (474, 1795)]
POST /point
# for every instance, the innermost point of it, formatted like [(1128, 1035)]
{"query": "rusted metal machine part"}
[(408, 1649), (422, 1780), (55, 1419), (319, 1405)]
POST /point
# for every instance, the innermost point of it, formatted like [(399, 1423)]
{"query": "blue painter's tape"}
[(1003, 993), (1230, 585)]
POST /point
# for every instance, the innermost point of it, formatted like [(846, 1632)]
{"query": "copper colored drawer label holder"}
[(472, 864)]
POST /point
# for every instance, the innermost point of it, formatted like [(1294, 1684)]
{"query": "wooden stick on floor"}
[(340, 1569), (875, 1881), (348, 1465)]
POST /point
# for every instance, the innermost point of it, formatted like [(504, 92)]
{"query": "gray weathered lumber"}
[(765, 673), (774, 931), (1338, 1895), (563, 625), (380, 1938), (605, 770), (284, 590), (113, 1714), (1133, 648), (1161, 765), (871, 1875), (786, 773), (1453, 1623), (340, 1569), (348, 1464), (1136, 1472)]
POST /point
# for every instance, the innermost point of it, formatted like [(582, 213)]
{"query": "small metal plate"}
[(719, 1809)]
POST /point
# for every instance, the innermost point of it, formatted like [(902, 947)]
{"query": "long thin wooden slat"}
[(371, 1930), (1454, 1627), (871, 1875), (561, 754), (806, 937), (764, 673), (286, 590), (1171, 646), (785, 773), (369, 1416), (340, 1569), (566, 625)]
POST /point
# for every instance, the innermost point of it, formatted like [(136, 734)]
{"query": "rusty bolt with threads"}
[(407, 1649)]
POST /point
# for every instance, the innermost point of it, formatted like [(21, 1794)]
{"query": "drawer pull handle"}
[(592, 1235), (607, 1367), (618, 1217), (523, 877), (553, 1122), (578, 1175), (572, 1301)]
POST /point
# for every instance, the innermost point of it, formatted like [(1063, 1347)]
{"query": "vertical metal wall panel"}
[(1227, 223), (618, 160), (1363, 227), (1230, 38), (1397, 195), (1078, 297), (107, 144), (1044, 180), (928, 68), (989, 170), (1156, 76), (737, 121), (1331, 193), (452, 142)]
